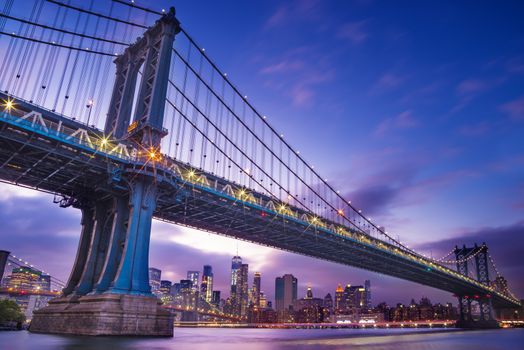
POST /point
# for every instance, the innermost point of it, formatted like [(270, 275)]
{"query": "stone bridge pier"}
[(108, 291)]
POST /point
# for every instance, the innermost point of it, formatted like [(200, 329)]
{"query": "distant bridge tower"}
[(466, 318), (108, 291)]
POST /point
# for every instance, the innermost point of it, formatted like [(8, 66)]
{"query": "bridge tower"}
[(466, 315), (108, 290)]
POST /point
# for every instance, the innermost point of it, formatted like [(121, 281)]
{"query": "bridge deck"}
[(52, 153)]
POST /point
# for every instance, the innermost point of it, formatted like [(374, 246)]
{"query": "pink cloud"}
[(387, 81), (471, 87), (516, 65), (283, 66), (478, 129), (404, 120), (515, 109), (304, 9), (302, 95), (277, 17), (354, 31)]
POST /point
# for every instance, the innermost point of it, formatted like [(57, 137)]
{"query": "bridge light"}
[(9, 105), (340, 212), (103, 141)]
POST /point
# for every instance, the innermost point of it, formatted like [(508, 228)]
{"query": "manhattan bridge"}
[(176, 141)]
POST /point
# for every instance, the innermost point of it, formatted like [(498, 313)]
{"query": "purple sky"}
[(414, 110)]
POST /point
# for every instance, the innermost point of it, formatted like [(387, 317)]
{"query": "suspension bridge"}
[(179, 143)]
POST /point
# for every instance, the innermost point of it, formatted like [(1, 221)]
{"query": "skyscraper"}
[(285, 292), (45, 282), (242, 291), (367, 287), (165, 287), (236, 293), (236, 262), (193, 277), (328, 303), (206, 288), (339, 296), (154, 280), (216, 298), (256, 290)]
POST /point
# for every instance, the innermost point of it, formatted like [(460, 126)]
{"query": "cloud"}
[(515, 109), (471, 87), (355, 32), (296, 77), (402, 121), (283, 66), (386, 82), (467, 90), (295, 10), (516, 65), (477, 129), (374, 199)]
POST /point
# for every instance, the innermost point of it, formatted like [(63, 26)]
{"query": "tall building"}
[(256, 289), (339, 296), (216, 298), (243, 289), (165, 287), (263, 300), (367, 287), (24, 278), (236, 263), (206, 288), (193, 277), (309, 293), (45, 282), (328, 303), (175, 288), (154, 280), (236, 295), (285, 292)]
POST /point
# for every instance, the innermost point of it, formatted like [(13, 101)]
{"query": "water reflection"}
[(276, 339)]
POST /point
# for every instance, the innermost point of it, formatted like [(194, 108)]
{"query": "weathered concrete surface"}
[(104, 314)]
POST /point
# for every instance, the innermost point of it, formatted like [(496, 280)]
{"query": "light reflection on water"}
[(274, 339)]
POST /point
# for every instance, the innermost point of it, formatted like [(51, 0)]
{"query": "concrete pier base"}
[(104, 314)]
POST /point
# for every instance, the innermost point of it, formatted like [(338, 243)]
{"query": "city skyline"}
[(469, 173)]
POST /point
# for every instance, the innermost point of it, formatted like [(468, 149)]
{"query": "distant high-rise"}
[(328, 302), (285, 292), (186, 286), (23, 278), (165, 287), (236, 263), (175, 288), (309, 293), (339, 298), (243, 290), (216, 298), (193, 277), (45, 282), (256, 289), (263, 300), (206, 288), (367, 287), (154, 279), (236, 295)]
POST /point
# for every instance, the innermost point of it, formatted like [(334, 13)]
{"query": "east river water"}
[(274, 339)]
